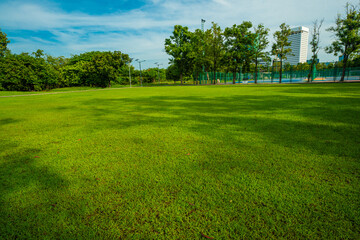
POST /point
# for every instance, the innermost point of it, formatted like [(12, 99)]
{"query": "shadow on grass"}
[(325, 126), (346, 88), (5, 121), (322, 124), (20, 176)]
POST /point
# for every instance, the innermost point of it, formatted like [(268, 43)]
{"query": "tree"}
[(172, 73), (23, 72), (95, 68), (214, 47), (103, 68), (39, 53), (281, 46), (200, 60), (239, 42), (261, 43), (3, 43), (315, 46), (178, 46), (347, 35)]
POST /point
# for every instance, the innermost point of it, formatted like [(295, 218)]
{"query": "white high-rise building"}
[(299, 39)]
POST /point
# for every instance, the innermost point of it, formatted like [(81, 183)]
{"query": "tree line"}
[(241, 47), (38, 71)]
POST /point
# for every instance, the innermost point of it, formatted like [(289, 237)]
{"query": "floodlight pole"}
[(158, 64), (202, 29), (140, 69), (129, 70), (130, 59)]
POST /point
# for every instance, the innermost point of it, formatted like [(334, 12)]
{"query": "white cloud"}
[(141, 32)]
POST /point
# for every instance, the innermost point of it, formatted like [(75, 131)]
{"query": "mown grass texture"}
[(270, 161)]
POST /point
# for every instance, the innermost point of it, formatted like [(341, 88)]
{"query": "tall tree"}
[(281, 47), (200, 60), (215, 47), (178, 46), (347, 35), (3, 43), (315, 46), (239, 41), (261, 43)]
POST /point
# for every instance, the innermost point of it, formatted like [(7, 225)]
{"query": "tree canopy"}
[(3, 43), (347, 35), (179, 48), (281, 48)]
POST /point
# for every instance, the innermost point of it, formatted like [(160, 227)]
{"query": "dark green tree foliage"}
[(24, 72), (27, 73), (57, 64), (261, 42), (198, 53), (3, 43), (150, 75), (214, 47), (103, 68), (239, 43), (178, 46), (95, 69), (281, 46), (347, 35), (172, 73)]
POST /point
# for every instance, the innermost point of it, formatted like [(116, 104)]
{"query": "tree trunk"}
[(214, 72), (256, 70), (181, 78), (234, 77), (311, 70), (280, 76), (344, 68)]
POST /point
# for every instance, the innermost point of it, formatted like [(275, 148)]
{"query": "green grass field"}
[(270, 161)]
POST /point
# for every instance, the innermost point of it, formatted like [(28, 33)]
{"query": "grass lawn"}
[(269, 161)]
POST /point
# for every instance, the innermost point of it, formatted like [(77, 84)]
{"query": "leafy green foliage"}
[(23, 72), (26, 73), (214, 47), (39, 72), (347, 34), (239, 42), (281, 48), (3, 43), (172, 73), (179, 48), (200, 61), (261, 42)]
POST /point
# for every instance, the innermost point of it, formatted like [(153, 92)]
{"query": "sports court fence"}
[(323, 75)]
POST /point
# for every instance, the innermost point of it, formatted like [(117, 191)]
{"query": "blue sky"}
[(139, 28)]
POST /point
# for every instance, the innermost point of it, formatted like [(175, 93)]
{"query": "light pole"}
[(129, 69), (138, 60), (202, 29), (158, 64)]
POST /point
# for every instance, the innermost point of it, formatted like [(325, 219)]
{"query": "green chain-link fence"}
[(334, 74)]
